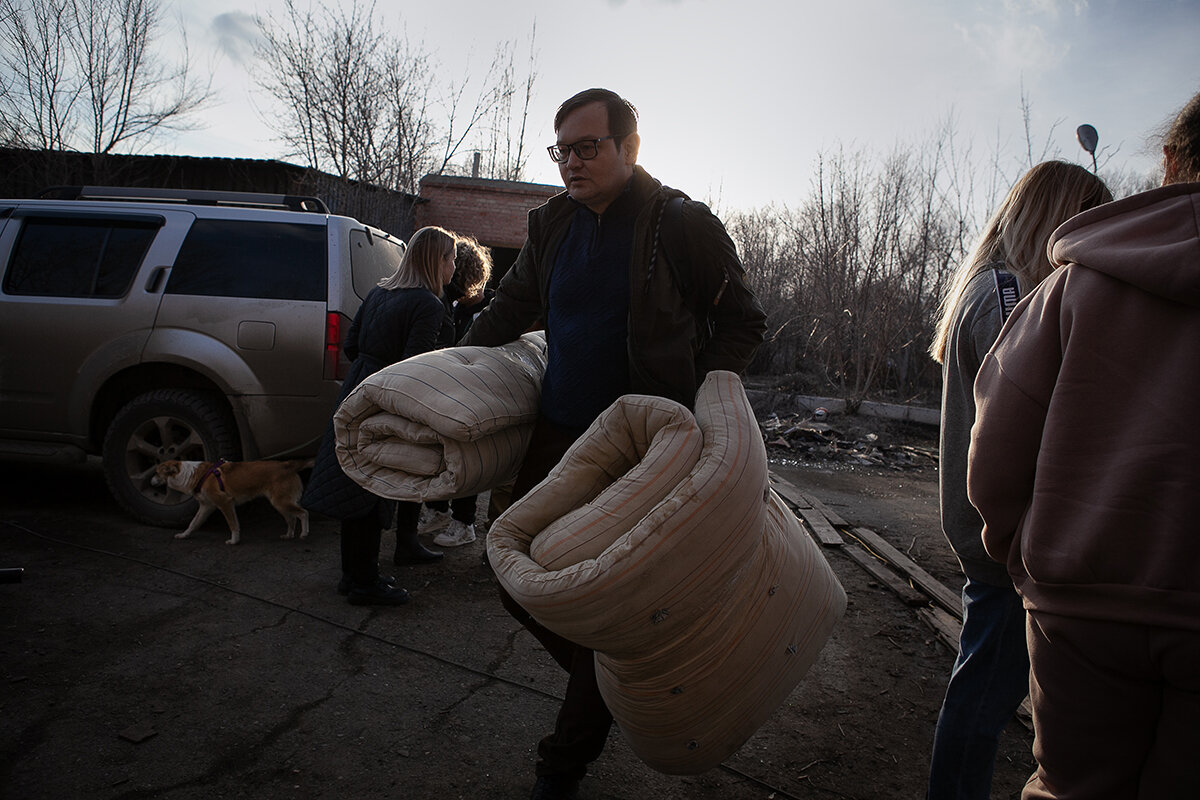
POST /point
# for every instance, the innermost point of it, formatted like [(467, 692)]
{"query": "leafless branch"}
[(369, 106), (84, 75)]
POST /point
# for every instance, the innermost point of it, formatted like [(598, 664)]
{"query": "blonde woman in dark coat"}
[(402, 317)]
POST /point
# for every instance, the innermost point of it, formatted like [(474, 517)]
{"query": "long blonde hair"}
[(421, 265), (1017, 233)]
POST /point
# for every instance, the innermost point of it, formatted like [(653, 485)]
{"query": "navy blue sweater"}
[(587, 320)]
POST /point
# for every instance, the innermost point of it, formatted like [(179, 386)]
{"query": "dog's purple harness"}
[(215, 470)]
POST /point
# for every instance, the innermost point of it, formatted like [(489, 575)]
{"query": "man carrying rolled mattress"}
[(641, 291)]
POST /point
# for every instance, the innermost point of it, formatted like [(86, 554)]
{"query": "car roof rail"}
[(290, 202)]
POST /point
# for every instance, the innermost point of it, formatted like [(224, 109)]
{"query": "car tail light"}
[(336, 363)]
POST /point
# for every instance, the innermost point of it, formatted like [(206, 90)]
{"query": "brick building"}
[(492, 211)]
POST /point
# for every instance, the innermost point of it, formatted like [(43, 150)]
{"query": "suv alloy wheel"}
[(161, 426)]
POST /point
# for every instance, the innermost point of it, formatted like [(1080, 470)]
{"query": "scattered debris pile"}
[(850, 440)]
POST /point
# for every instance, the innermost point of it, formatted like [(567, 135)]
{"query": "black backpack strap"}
[(673, 225), (1008, 292), (669, 234), (675, 247), (668, 237)]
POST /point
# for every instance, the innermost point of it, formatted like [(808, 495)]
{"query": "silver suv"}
[(146, 325)]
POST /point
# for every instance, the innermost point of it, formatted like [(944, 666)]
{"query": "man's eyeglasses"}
[(586, 149)]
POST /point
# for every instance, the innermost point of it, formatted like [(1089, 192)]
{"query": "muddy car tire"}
[(159, 426)]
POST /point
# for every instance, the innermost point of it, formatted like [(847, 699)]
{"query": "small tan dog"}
[(225, 484)]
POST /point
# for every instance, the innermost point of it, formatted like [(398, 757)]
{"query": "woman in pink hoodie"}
[(1085, 466)]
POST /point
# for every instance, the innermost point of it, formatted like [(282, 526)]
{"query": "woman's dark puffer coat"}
[(390, 326)]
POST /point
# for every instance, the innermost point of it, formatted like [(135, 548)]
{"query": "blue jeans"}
[(988, 683)]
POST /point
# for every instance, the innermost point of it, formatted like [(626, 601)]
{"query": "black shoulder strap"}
[(675, 247), (673, 243), (1008, 293)]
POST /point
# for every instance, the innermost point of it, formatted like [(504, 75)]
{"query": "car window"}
[(236, 258), (77, 257), (372, 258)]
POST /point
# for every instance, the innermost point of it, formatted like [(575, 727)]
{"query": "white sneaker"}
[(456, 534), (432, 520)]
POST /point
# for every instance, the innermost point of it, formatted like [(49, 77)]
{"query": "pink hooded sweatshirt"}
[(1085, 454)]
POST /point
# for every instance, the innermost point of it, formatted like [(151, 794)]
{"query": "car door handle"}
[(155, 279)]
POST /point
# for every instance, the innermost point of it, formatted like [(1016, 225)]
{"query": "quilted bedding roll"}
[(443, 424), (658, 543)]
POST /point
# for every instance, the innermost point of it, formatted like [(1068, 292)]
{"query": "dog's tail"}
[(298, 464)]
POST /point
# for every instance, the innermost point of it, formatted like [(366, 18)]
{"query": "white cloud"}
[(1024, 38), (1049, 8)]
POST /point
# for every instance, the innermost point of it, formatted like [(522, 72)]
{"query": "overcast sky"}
[(739, 97)]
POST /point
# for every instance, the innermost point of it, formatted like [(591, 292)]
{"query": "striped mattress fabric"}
[(443, 424), (658, 543)]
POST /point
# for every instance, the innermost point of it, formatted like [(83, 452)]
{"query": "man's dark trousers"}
[(583, 720)]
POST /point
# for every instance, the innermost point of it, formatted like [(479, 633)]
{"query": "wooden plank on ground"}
[(879, 570), (830, 515), (946, 626), (789, 492), (821, 528), (931, 585), (806, 507)]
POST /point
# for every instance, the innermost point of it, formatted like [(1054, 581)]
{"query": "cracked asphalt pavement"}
[(136, 665)]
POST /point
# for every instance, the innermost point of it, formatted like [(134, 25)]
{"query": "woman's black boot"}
[(409, 549)]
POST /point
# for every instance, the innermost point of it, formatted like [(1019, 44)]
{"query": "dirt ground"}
[(135, 665)]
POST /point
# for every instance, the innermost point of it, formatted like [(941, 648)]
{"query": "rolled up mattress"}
[(657, 542), (443, 424)]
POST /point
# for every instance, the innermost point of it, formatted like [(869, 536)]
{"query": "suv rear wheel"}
[(160, 426)]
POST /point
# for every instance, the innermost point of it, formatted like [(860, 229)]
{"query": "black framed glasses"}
[(586, 149)]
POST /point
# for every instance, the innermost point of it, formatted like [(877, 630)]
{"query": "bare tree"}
[(504, 154), (327, 73), (1048, 150), (368, 106), (852, 277), (35, 98), (1124, 182), (83, 75), (1121, 181), (850, 280), (408, 81)]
